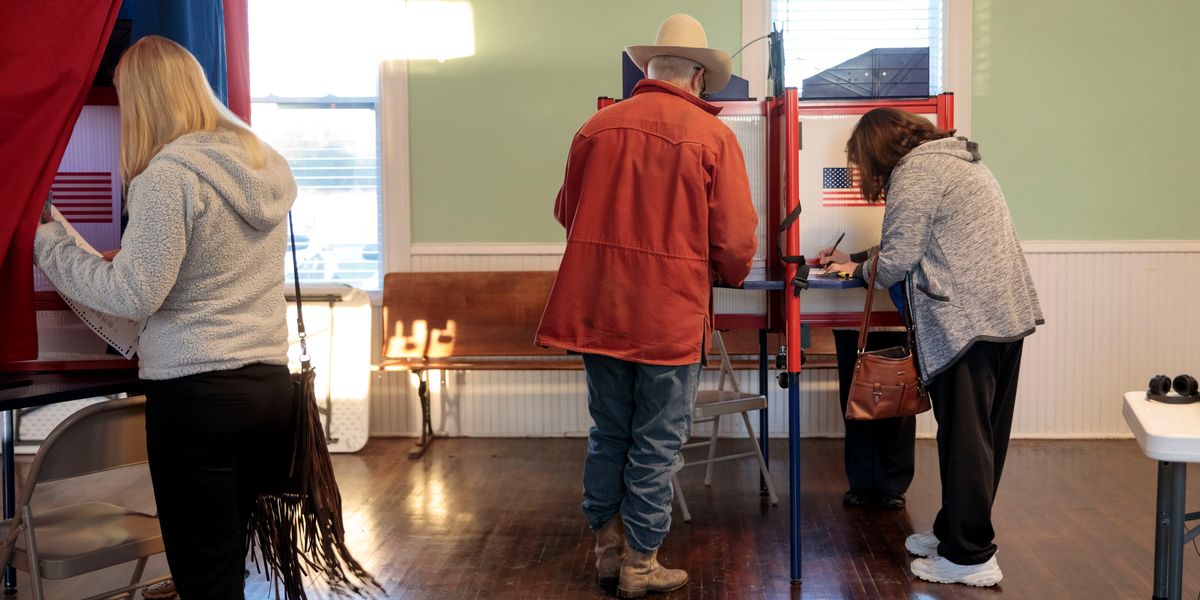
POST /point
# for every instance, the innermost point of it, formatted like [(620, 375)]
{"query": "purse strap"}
[(305, 361), (862, 331)]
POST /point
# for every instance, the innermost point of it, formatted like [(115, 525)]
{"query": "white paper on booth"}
[(120, 333)]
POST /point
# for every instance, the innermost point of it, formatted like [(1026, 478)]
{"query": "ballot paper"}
[(121, 334), (823, 273)]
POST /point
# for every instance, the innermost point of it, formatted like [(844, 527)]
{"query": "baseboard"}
[(489, 249), (1109, 246)]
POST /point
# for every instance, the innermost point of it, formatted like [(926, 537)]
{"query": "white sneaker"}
[(923, 544), (939, 570)]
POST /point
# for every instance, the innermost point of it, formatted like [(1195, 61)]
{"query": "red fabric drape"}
[(237, 57), (49, 53)]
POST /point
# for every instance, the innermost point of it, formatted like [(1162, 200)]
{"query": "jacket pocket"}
[(924, 290)]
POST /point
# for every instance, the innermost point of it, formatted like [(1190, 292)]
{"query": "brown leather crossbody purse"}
[(886, 382)]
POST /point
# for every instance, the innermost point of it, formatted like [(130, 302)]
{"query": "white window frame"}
[(394, 177), (956, 53)]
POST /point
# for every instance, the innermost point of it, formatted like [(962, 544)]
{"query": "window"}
[(821, 34), (331, 146), (314, 85)]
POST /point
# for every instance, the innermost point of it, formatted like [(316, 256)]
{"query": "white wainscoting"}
[(1116, 312)]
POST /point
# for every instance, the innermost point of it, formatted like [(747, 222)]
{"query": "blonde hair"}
[(164, 94)]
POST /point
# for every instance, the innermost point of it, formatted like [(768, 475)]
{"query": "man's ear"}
[(698, 81)]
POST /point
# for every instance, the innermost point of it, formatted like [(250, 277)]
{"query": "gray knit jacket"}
[(201, 259), (948, 234)]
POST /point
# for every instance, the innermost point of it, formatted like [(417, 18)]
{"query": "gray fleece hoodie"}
[(201, 260), (947, 232)]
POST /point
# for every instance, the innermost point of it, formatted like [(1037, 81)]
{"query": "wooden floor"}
[(485, 518)]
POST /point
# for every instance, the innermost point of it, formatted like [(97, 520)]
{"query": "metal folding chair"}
[(65, 542), (711, 405)]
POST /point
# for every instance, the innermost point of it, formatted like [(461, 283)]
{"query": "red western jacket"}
[(656, 205)]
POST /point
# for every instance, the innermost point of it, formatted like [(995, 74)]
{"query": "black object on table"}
[(815, 282), (23, 390)]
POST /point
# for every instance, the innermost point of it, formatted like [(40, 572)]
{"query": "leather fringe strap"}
[(295, 531)]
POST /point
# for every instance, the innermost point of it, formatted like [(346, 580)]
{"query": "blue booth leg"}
[(794, 470)]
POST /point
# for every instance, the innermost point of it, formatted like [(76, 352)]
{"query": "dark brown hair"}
[(882, 137)]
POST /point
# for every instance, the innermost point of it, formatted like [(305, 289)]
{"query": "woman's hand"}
[(110, 255), (47, 216), (830, 255), (846, 267)]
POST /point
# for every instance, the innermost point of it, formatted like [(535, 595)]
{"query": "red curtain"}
[(49, 53), (237, 57)]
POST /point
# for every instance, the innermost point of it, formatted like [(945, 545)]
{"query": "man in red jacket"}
[(656, 205)]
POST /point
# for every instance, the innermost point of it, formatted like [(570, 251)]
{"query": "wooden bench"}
[(487, 321)]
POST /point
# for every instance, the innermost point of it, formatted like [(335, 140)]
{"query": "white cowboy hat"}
[(682, 35)]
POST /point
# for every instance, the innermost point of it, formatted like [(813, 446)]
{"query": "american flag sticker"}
[(841, 186), (84, 197)]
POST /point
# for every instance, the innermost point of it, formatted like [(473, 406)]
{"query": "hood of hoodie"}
[(958, 147), (261, 197)]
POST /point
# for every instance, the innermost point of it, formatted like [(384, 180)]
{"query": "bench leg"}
[(426, 419)]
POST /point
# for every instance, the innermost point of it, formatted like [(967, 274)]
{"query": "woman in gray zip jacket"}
[(947, 234)]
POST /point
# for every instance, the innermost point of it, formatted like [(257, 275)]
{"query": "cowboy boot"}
[(609, 542), (641, 573)]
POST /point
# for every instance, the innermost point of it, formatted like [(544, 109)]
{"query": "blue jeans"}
[(642, 415)]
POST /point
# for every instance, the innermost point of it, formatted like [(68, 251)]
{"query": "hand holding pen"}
[(837, 263), (831, 255)]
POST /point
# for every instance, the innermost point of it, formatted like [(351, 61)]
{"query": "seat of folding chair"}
[(713, 403), (77, 539)]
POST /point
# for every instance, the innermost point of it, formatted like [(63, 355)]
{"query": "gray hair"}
[(674, 69)]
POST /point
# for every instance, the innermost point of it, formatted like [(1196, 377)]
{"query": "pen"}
[(834, 248)]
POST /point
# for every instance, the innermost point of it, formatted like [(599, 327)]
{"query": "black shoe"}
[(854, 499), (892, 501)]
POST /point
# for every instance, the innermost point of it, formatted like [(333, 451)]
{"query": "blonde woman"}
[(201, 263)]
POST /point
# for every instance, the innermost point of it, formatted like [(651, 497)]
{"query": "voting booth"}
[(87, 192), (806, 196)]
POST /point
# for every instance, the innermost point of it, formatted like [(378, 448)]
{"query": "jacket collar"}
[(654, 85)]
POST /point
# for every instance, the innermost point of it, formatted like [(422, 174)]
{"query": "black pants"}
[(212, 438), (973, 401), (879, 454)]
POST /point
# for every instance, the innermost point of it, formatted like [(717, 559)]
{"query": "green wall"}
[(1080, 108), (489, 133), (1085, 111)]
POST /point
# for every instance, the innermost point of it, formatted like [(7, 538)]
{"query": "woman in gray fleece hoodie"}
[(948, 236), (201, 264)]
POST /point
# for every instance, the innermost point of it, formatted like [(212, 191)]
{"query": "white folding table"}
[(1170, 434)]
